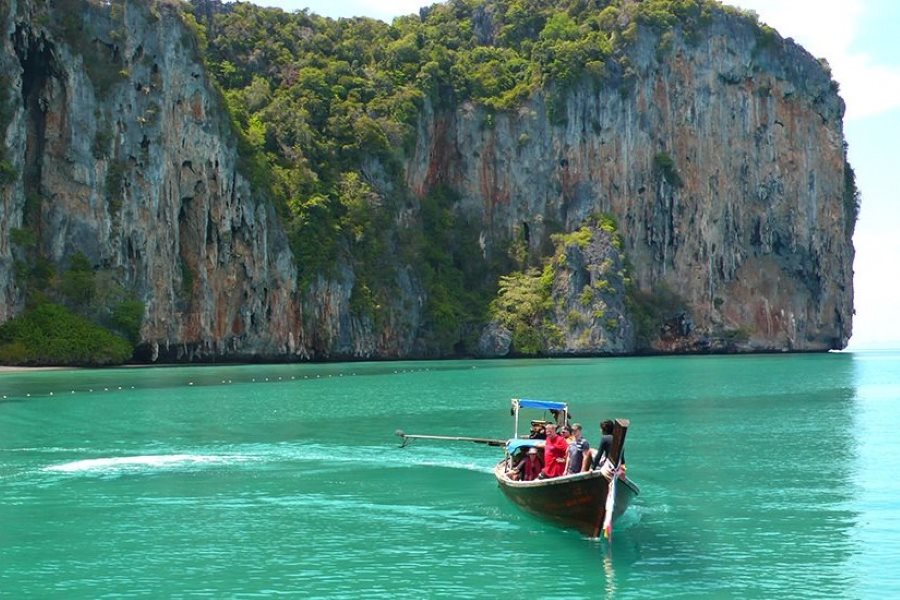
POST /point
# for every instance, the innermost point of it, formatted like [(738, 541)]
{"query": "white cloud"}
[(875, 324), (867, 88), (828, 28)]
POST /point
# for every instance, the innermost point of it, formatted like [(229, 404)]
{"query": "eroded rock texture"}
[(722, 161)]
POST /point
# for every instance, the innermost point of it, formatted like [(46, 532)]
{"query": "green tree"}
[(49, 334)]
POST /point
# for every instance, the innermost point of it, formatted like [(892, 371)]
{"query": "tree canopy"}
[(326, 109)]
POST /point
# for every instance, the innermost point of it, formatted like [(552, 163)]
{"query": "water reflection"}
[(747, 479), (609, 574), (876, 491)]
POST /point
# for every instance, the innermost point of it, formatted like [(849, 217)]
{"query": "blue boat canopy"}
[(541, 404), (513, 445)]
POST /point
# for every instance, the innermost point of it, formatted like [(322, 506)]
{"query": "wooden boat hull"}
[(573, 501)]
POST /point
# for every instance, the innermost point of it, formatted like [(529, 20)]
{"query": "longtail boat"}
[(580, 501)]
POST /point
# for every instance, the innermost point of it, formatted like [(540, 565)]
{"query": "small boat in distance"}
[(589, 501)]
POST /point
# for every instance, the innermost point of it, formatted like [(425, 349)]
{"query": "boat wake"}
[(458, 465), (267, 455), (630, 518), (142, 463)]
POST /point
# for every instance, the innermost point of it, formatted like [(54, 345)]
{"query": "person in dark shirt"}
[(537, 430), (579, 452), (606, 439)]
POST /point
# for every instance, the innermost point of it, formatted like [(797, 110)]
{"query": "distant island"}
[(212, 181)]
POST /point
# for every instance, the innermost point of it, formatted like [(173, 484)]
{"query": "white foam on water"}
[(388, 456), (158, 461), (450, 464), (241, 454)]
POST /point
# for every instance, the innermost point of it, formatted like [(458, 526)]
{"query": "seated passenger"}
[(537, 430), (515, 465), (532, 465)]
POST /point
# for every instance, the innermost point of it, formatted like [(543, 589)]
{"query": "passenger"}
[(532, 465), (516, 463), (525, 465), (606, 439), (537, 430), (579, 455), (555, 450), (558, 417)]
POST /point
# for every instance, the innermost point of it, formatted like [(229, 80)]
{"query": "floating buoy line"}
[(107, 388)]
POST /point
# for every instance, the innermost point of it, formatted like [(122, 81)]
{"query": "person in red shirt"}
[(532, 467), (527, 468), (555, 450)]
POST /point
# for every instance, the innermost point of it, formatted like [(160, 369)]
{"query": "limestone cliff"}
[(723, 162), (721, 159), (125, 155)]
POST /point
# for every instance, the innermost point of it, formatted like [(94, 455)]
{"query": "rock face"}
[(585, 312), (588, 293), (722, 161), (122, 141)]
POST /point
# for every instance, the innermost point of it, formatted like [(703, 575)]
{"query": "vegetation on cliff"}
[(581, 287), (316, 98), (50, 334), (326, 113), (79, 315), (326, 107)]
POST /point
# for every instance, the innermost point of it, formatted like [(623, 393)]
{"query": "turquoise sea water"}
[(761, 477)]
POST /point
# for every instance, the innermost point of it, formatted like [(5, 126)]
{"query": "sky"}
[(860, 40)]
